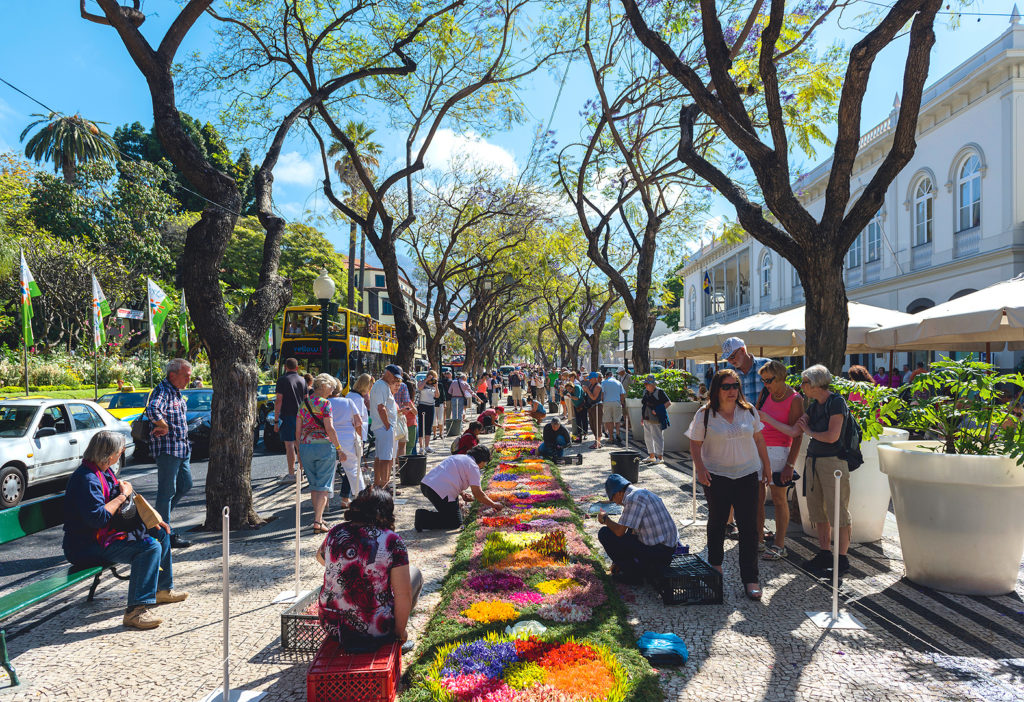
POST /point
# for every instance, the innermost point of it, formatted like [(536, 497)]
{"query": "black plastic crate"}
[(688, 579), (301, 632)]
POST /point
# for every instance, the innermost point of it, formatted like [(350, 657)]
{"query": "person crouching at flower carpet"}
[(642, 541), (556, 438), (446, 483)]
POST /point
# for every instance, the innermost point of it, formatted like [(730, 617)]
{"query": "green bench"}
[(19, 522)]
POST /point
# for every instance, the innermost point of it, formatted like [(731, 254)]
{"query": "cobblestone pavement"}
[(917, 645)]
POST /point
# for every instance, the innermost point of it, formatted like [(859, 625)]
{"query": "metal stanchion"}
[(296, 594), (835, 619), (693, 521)]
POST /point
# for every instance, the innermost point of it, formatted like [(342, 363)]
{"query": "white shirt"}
[(343, 409), (380, 394), (360, 403), (427, 393), (452, 476), (728, 449)]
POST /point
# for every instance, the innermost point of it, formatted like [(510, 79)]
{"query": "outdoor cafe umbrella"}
[(862, 320), (986, 319), (664, 347), (762, 334)]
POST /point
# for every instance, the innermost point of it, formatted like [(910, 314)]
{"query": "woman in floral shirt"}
[(369, 586)]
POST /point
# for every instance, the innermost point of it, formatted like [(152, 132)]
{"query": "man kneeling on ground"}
[(642, 541), (556, 438), (448, 481)]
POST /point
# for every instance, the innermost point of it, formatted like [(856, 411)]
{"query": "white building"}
[(952, 221)]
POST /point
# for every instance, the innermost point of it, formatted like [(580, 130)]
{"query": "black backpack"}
[(849, 439)]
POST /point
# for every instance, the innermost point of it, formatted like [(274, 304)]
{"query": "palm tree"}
[(359, 133), (68, 141)]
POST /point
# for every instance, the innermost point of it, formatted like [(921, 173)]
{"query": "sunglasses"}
[(730, 386), (768, 381)]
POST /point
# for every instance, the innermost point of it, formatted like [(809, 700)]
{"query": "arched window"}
[(853, 255), (691, 319), (874, 242), (924, 198), (766, 274), (968, 194)]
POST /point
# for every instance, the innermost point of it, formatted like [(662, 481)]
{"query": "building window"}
[(874, 239), (924, 197), (692, 318), (853, 255), (380, 282), (766, 274), (968, 189), (386, 307), (730, 284)]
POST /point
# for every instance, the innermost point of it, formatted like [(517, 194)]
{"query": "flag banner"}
[(270, 337), (707, 283), (29, 289), (158, 309), (183, 323), (100, 309)]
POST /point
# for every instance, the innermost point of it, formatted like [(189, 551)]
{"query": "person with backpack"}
[(468, 440), (779, 406), (730, 459), (834, 445)]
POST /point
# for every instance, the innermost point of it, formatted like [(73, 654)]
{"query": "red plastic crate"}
[(336, 676)]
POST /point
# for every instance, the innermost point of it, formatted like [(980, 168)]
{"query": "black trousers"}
[(447, 516), (635, 559), (425, 416), (481, 403), (741, 495), (580, 417)]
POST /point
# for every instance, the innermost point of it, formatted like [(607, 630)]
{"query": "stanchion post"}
[(298, 527), (833, 619), (226, 540)]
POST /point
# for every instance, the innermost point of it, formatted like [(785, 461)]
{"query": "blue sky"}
[(77, 66)]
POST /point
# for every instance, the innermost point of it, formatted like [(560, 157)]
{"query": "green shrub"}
[(679, 385)]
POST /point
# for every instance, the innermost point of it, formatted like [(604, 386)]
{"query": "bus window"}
[(302, 323)]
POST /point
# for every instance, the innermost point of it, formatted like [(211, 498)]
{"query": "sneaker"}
[(774, 553), (819, 563), (648, 460), (430, 450), (168, 596), (287, 478), (761, 547), (141, 618), (844, 564)]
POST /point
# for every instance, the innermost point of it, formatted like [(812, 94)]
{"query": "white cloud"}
[(291, 210), (291, 168), (450, 151)]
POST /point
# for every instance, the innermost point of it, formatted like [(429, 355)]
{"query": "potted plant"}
[(874, 408), (678, 385), (958, 498)]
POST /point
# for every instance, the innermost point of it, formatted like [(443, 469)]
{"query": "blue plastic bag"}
[(663, 649)]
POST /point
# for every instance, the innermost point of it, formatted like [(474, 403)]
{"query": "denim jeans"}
[(458, 407), (150, 561), (174, 479), (552, 451)]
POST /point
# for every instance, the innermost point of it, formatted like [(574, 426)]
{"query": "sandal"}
[(320, 528), (731, 532), (774, 553), (753, 591)]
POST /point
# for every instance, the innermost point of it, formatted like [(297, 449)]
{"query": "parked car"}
[(125, 405), (421, 376), (265, 395), (104, 400), (198, 410), (43, 440)]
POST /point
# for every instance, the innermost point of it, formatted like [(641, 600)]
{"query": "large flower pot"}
[(869, 489), (958, 517), (635, 427), (680, 414)]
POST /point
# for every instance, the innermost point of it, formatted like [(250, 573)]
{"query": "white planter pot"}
[(958, 517), (869, 490), (680, 414), (635, 428)]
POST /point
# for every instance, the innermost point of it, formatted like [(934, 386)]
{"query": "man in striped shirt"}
[(641, 543), (168, 441)]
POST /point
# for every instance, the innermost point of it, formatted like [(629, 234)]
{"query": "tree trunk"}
[(351, 264), (827, 316), (643, 327), (362, 268), (405, 327)]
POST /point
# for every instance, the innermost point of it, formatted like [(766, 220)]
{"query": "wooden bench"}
[(19, 522)]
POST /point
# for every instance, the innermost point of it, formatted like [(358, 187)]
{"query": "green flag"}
[(183, 323), (29, 289), (158, 309), (100, 309)]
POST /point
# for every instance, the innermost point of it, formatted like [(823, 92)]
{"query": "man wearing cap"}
[(642, 541), (594, 398), (515, 384), (556, 438), (734, 350), (384, 412)]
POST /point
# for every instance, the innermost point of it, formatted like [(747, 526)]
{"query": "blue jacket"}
[(85, 515)]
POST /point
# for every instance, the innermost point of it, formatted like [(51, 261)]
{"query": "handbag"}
[(126, 518)]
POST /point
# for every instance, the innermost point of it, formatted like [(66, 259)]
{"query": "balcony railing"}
[(921, 256), (872, 271), (729, 315), (967, 242), (854, 277)]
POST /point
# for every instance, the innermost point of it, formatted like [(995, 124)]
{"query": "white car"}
[(43, 440)]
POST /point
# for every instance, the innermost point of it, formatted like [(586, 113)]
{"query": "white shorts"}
[(612, 413), (777, 456)]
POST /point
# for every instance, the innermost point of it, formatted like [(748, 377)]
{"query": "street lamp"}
[(625, 324), (323, 290)]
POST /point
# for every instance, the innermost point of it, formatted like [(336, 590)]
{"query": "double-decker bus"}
[(356, 343)]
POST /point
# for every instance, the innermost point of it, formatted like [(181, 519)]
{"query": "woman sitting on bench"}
[(369, 586), (95, 532)]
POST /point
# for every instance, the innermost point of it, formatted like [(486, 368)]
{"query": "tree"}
[(67, 142), (815, 246), (360, 134)]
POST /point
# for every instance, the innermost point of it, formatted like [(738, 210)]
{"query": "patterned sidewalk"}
[(917, 645)]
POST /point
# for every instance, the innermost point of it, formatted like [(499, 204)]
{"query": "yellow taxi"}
[(126, 404)]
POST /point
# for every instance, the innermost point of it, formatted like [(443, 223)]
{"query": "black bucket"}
[(411, 468), (509, 402), (552, 407), (626, 464)]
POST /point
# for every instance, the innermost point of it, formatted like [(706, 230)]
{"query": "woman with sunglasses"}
[(730, 460), (780, 407)]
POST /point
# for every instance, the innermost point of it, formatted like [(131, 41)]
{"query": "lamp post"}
[(323, 289), (625, 324)]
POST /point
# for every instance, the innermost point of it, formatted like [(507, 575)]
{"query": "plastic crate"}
[(301, 632), (688, 579), (336, 676)]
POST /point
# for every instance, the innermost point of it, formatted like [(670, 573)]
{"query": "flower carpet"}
[(527, 613)]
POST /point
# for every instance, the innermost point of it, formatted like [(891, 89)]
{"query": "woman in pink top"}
[(782, 406)]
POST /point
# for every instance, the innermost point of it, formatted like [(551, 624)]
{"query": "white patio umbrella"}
[(863, 319), (988, 319), (761, 332), (664, 347)]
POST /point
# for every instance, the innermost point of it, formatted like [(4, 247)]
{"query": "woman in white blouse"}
[(348, 424), (730, 459)]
